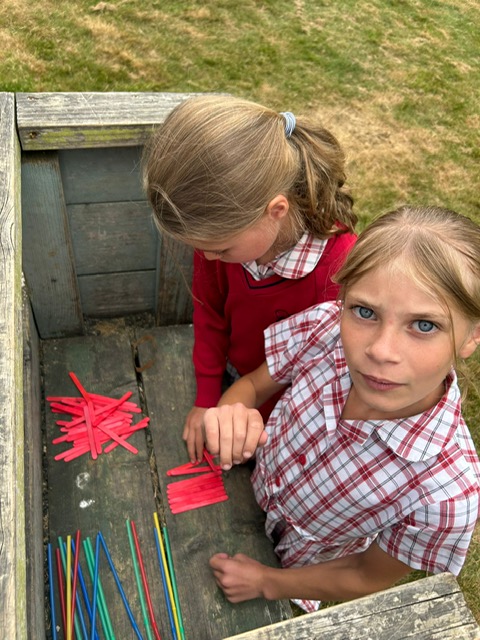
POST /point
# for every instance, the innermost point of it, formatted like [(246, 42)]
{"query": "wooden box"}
[(88, 284)]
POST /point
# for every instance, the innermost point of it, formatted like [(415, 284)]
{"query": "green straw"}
[(139, 582), (174, 580), (102, 604), (64, 564)]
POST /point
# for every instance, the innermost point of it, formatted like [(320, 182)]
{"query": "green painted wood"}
[(80, 120), (93, 495), (174, 298), (236, 525), (47, 252), (33, 456), (115, 294), (12, 515), (429, 609), (113, 237), (101, 175)]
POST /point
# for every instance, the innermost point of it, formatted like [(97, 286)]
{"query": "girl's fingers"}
[(255, 436)]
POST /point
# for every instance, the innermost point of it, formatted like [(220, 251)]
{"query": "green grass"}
[(397, 82)]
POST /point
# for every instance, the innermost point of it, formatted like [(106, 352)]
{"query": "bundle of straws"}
[(69, 575)]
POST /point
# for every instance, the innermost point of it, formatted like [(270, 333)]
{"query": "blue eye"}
[(363, 312), (425, 326)]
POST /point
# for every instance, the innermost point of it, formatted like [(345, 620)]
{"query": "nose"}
[(210, 255), (384, 345)]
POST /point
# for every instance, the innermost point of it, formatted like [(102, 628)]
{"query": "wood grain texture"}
[(33, 474), (12, 516), (113, 237), (81, 120), (174, 298), (429, 609), (236, 525), (48, 261)]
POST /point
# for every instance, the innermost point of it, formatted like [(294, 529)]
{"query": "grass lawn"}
[(397, 82)]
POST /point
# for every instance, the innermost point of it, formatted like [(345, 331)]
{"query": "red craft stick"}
[(141, 425), (193, 500), (79, 386), (181, 508), (145, 583), (91, 439), (117, 438)]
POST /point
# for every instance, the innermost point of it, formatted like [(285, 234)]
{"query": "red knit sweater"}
[(232, 310)]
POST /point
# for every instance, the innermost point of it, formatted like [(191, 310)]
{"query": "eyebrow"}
[(434, 316)]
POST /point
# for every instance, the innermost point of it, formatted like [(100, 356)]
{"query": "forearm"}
[(252, 390), (337, 580)]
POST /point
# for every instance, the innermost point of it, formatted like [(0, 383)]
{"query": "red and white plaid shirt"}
[(329, 486), (292, 264)]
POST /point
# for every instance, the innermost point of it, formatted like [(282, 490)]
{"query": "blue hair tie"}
[(290, 123)]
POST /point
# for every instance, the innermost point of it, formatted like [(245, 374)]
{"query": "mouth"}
[(379, 384)]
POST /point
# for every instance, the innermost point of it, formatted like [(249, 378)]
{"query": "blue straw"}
[(95, 585), (78, 609), (165, 588), (83, 587), (52, 595), (120, 588)]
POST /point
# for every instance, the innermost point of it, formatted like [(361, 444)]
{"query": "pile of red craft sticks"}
[(207, 488), (96, 421)]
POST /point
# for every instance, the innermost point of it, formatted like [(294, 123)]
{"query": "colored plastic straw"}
[(78, 620), (68, 580), (138, 581), (75, 574), (145, 582), (83, 588), (164, 583), (167, 576), (174, 580), (119, 586), (61, 590), (52, 594), (102, 604), (95, 585)]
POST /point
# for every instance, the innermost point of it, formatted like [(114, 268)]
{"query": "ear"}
[(471, 343), (278, 207)]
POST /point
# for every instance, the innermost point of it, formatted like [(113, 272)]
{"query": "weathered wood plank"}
[(93, 495), (80, 120), (236, 525), (47, 251), (429, 609), (13, 619), (101, 175), (174, 300), (113, 237), (110, 295), (33, 474)]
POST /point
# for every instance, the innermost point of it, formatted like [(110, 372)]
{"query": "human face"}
[(398, 346), (258, 242)]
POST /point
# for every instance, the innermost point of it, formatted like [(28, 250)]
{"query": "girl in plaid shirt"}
[(365, 469), (259, 195)]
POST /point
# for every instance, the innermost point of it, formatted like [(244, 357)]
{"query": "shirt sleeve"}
[(300, 338), (210, 331), (434, 538)]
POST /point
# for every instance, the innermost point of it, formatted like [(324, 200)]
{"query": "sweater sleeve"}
[(211, 333)]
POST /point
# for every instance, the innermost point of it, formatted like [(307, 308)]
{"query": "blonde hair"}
[(438, 248), (213, 166)]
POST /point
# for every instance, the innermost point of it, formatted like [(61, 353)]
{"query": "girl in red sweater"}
[(260, 197)]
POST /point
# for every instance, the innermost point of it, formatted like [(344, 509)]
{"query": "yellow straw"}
[(167, 575), (69, 588)]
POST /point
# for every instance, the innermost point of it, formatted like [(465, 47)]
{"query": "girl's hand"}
[(233, 432), (240, 577), (193, 434)]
